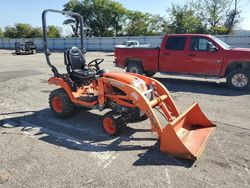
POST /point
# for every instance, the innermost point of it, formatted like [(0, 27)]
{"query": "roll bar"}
[(45, 34)]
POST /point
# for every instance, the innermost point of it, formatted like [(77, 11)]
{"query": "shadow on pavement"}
[(154, 157), (200, 86), (84, 132)]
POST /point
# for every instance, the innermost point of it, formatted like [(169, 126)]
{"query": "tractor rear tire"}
[(60, 104), (112, 124)]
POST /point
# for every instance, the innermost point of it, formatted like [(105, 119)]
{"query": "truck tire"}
[(134, 68), (60, 104), (238, 79), (149, 73)]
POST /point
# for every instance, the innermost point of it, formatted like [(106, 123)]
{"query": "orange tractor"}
[(131, 98)]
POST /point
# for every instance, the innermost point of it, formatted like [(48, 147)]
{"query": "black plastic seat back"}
[(75, 59), (76, 67)]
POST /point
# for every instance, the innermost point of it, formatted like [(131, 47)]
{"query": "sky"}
[(29, 11)]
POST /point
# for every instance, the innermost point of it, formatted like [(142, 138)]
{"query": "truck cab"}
[(190, 54)]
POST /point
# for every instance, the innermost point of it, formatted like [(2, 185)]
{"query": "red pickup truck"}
[(190, 54)]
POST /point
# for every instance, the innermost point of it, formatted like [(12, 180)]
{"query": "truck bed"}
[(149, 56)]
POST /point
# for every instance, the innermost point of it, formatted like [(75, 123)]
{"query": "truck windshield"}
[(125, 43), (221, 43)]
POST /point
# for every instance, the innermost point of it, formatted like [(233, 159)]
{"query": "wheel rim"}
[(109, 125), (239, 80), (133, 70), (57, 104)]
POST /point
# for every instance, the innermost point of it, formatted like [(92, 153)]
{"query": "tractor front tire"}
[(112, 123), (60, 104), (135, 67), (238, 79)]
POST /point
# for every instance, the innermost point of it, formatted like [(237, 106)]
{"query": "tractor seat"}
[(76, 65), (82, 74)]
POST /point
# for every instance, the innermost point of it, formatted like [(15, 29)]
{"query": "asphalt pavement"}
[(39, 150)]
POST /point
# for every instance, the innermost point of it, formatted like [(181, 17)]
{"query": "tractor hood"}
[(127, 78), (122, 77)]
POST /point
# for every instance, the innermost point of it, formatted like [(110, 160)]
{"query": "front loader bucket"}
[(186, 136)]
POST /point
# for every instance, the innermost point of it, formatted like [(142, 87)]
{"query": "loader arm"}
[(140, 101), (184, 135)]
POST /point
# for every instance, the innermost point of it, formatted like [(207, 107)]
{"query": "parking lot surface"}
[(39, 150)]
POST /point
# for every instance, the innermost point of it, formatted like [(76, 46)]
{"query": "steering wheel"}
[(95, 63)]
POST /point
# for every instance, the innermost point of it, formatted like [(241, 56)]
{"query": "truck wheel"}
[(112, 124), (135, 68), (60, 104), (149, 73), (238, 79)]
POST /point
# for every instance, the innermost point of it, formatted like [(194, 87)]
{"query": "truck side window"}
[(175, 43), (200, 44)]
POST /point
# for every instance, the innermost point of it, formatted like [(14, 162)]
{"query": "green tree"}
[(74, 6), (232, 17), (109, 18), (118, 17), (21, 30), (156, 25), (54, 32), (10, 32), (100, 17), (182, 19), (1, 33), (106, 20), (220, 16), (137, 24), (36, 32)]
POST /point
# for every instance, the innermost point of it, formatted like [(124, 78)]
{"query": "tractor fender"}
[(63, 84)]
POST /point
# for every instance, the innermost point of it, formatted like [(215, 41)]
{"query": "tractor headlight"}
[(139, 84)]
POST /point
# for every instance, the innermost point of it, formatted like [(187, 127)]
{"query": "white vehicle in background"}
[(132, 44)]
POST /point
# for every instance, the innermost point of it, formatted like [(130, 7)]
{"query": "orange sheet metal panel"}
[(187, 135)]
